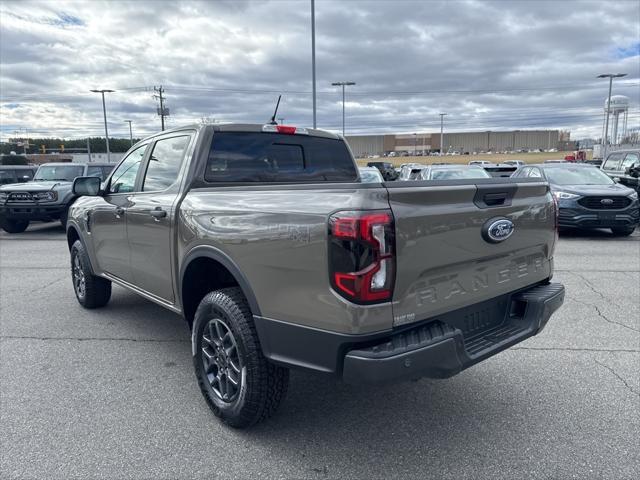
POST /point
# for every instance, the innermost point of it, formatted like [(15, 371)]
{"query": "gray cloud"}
[(489, 65)]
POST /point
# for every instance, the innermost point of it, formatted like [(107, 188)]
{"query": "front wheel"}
[(13, 226), (622, 231), (239, 384), (91, 291)]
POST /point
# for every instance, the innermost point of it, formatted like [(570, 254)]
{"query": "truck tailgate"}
[(445, 262)]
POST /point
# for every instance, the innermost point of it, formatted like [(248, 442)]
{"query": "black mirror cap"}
[(86, 186)]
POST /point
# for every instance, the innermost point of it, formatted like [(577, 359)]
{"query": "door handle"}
[(119, 211), (158, 213)]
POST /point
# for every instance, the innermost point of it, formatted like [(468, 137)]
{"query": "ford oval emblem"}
[(606, 201), (497, 230)]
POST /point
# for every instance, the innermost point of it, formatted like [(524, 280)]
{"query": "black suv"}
[(587, 198), (624, 167), (386, 169), (16, 173)]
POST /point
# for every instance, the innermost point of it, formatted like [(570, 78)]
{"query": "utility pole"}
[(441, 132), (104, 112), (88, 150), (605, 140), (161, 110), (313, 58), (415, 143), (130, 131), (342, 84)]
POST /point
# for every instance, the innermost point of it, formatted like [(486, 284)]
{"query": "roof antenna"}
[(273, 119)]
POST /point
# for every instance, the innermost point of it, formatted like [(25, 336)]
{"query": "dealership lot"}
[(111, 393)]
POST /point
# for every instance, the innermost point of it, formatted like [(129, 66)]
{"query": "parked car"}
[(46, 197), (500, 170), (516, 163), (16, 173), (386, 169), (587, 198), (481, 163), (556, 161), (411, 171), (263, 239), (370, 175), (453, 172), (624, 167)]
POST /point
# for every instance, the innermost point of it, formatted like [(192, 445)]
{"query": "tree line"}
[(97, 145)]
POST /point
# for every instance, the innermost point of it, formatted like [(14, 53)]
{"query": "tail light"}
[(361, 255), (286, 129)]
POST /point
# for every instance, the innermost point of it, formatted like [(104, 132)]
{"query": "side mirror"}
[(88, 186)]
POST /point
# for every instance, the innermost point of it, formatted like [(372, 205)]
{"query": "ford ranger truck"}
[(264, 239)]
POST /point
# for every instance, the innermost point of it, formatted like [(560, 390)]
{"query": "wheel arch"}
[(72, 235), (225, 271)]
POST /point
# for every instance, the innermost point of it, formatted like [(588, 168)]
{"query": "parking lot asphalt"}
[(111, 393)]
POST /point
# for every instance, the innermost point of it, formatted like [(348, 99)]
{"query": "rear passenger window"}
[(612, 161), (273, 157), (535, 173), (164, 163)]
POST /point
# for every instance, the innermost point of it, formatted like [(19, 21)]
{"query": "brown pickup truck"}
[(278, 257)]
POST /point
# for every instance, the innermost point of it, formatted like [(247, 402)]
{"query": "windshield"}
[(59, 172), (370, 176), (577, 176), (456, 174)]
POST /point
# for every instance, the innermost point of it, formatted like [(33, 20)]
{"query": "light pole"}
[(342, 84), (441, 132), (313, 58), (130, 131), (605, 140), (415, 143), (104, 112)]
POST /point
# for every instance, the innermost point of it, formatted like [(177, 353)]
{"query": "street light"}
[(605, 140), (104, 112), (130, 131), (313, 59), (415, 143), (342, 84), (441, 131)]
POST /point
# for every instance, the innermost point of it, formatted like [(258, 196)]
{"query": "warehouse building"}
[(512, 141)]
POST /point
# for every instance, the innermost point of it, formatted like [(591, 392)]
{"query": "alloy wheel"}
[(79, 280), (221, 360)]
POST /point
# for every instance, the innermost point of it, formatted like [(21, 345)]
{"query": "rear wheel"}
[(622, 231), (239, 384), (13, 226), (91, 291)]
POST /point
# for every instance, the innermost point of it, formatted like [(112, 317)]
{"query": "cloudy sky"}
[(490, 65)]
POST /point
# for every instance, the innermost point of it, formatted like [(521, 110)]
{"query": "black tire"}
[(261, 385), (91, 291), (13, 226), (622, 231)]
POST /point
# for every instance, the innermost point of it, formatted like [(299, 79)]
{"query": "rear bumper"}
[(438, 350), (435, 348), (31, 211)]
